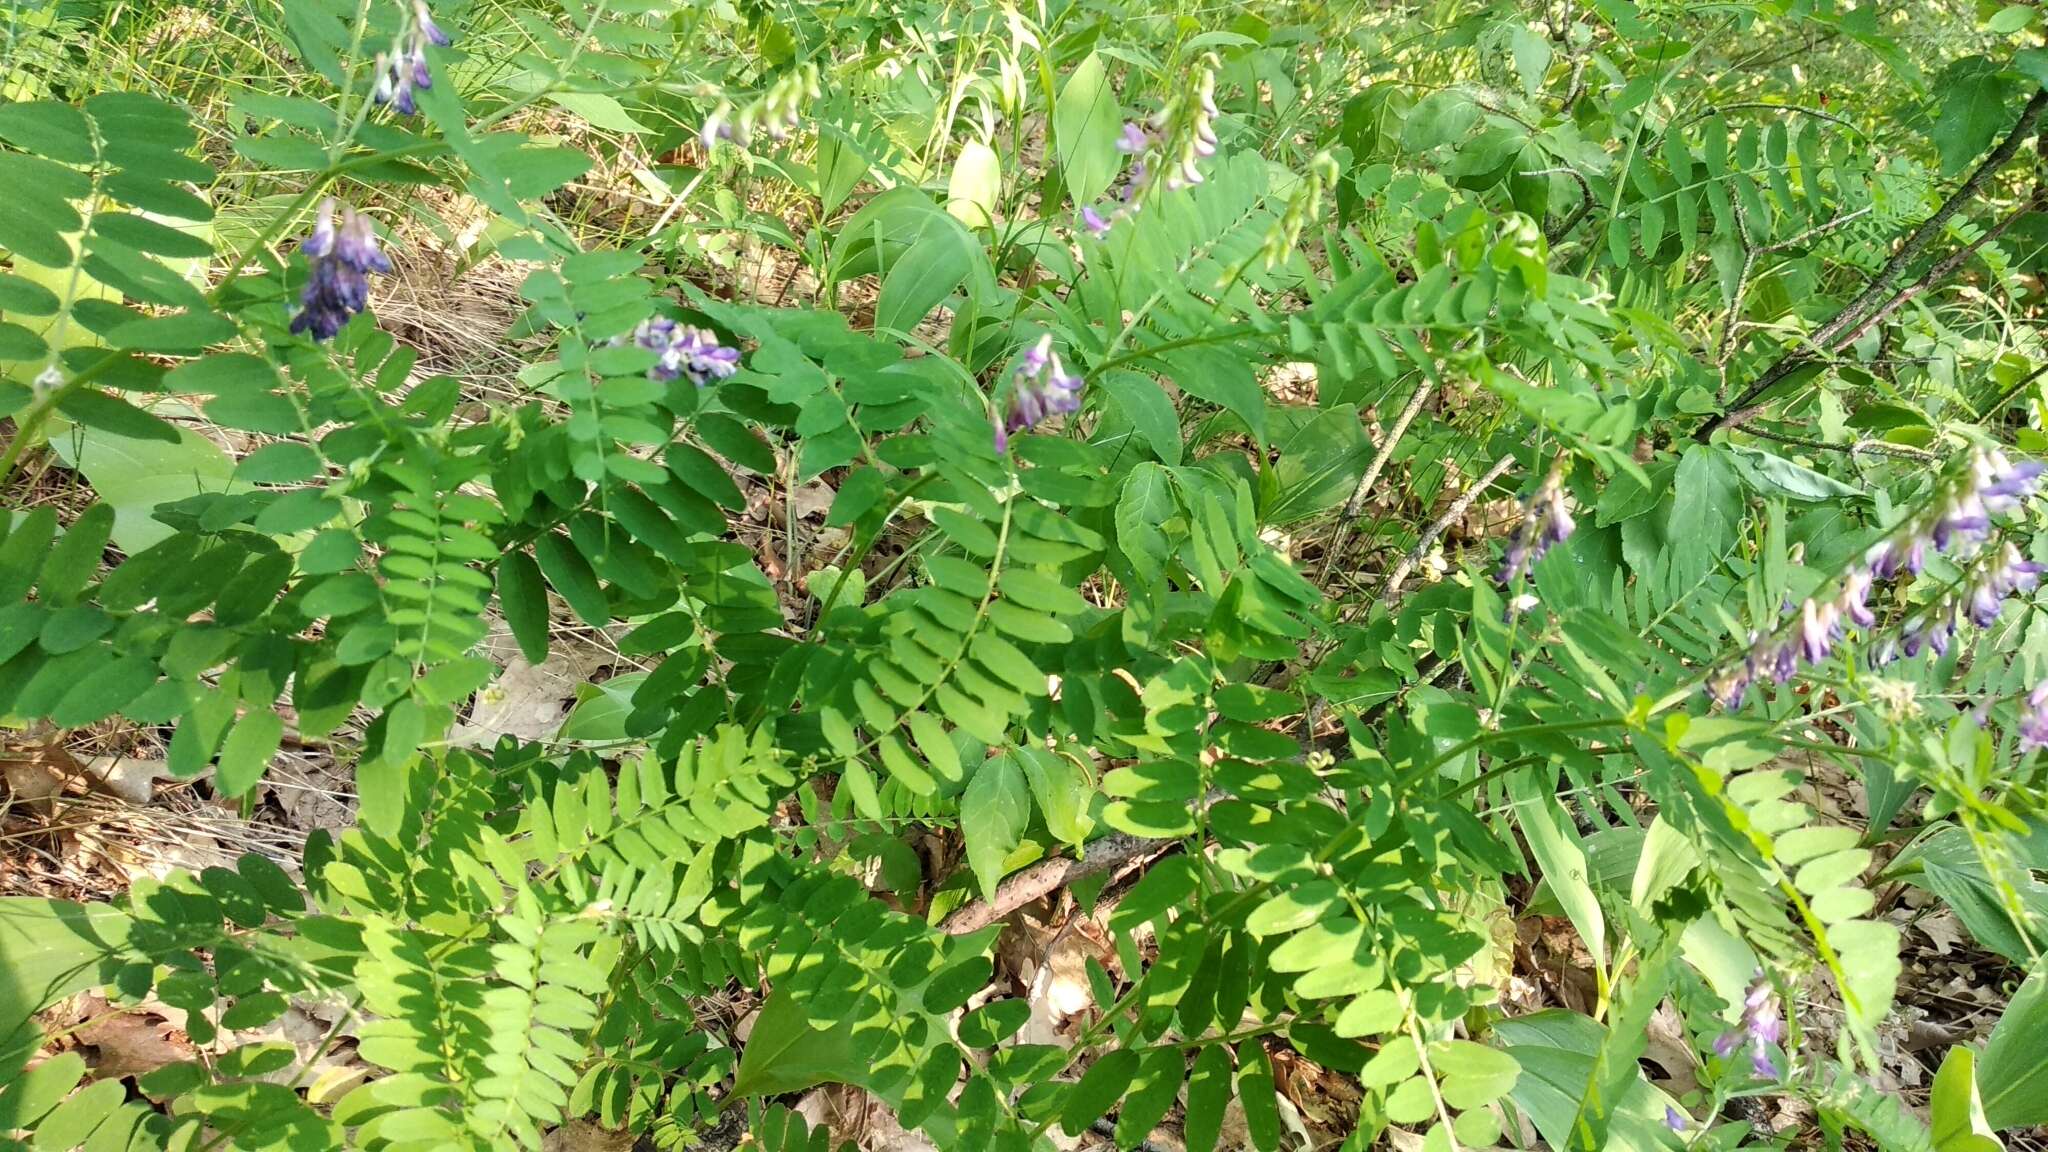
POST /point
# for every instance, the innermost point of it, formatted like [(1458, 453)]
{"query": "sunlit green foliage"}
[(1748, 288)]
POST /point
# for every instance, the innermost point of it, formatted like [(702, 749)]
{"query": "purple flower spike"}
[(1545, 522), (356, 245), (1134, 139), (1036, 358), (386, 87), (1042, 387), (2033, 726), (702, 358), (424, 20), (683, 351), (1760, 1027), (341, 259), (1094, 223)]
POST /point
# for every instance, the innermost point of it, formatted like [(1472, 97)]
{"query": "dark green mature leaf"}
[(1151, 1093), (571, 575), (1706, 512), (74, 559), (1973, 108), (250, 745), (111, 414), (523, 598), (1100, 1087), (1255, 1090), (1208, 1096)]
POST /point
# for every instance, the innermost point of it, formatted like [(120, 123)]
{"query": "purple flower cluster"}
[(2034, 719), (1961, 518), (1958, 523), (775, 114), (1761, 1027), (1545, 522), (341, 258), (1995, 575), (404, 68), (684, 351), (1167, 151), (1041, 388)]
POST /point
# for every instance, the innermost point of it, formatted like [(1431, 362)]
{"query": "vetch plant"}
[(818, 589)]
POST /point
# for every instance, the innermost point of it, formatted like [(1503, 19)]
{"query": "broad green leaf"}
[(2013, 1075), (1706, 512), (1973, 109), (1085, 123), (784, 1053), (1958, 1114), (1555, 1050), (976, 182), (53, 948), (1442, 117), (993, 815), (134, 476), (1555, 845), (1146, 503)]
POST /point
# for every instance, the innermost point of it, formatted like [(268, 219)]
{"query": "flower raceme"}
[(1957, 523), (683, 351), (1041, 388), (404, 69), (1167, 151), (2034, 718), (341, 256), (1960, 518), (1545, 522), (1761, 1027), (775, 114)]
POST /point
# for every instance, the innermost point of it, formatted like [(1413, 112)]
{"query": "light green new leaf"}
[(1557, 851), (977, 179), (599, 716), (1085, 124), (137, 475), (248, 750), (600, 111), (1959, 1124)]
